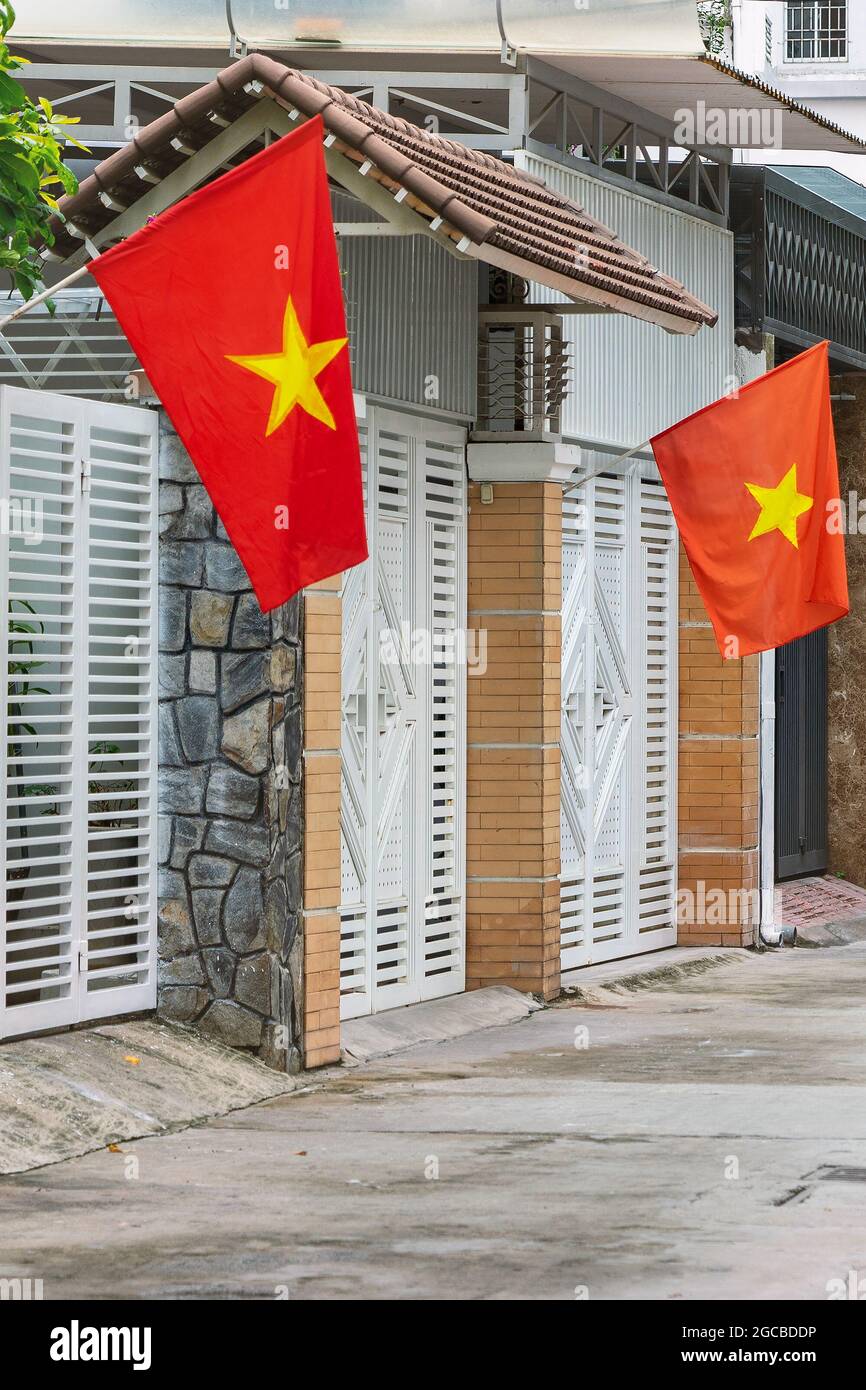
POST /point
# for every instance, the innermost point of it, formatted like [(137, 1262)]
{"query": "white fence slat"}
[(47, 978), (403, 895)]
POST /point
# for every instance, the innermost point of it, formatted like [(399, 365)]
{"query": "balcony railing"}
[(523, 374)]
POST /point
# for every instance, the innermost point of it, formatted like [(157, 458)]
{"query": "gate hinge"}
[(82, 961), (85, 475)]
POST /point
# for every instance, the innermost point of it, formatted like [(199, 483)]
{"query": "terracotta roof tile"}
[(498, 208)]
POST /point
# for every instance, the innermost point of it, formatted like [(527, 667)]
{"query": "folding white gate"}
[(403, 727), (619, 568), (77, 645)]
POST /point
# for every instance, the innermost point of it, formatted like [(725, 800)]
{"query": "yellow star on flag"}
[(293, 372), (780, 507)]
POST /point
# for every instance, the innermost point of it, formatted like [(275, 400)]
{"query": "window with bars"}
[(816, 32)]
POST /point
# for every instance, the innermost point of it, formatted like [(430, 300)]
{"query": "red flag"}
[(233, 304), (754, 486)]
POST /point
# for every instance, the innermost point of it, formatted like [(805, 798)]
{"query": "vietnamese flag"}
[(232, 302), (754, 487)]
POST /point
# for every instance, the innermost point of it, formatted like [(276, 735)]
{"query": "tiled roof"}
[(491, 209)]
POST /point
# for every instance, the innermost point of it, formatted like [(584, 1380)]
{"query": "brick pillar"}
[(513, 763), (321, 878), (719, 783)]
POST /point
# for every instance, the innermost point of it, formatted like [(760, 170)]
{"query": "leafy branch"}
[(714, 17), (32, 172)]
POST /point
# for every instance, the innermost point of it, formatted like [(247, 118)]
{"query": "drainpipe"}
[(769, 932)]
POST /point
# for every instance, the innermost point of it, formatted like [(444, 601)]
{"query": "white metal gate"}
[(619, 568), (77, 645), (403, 726)]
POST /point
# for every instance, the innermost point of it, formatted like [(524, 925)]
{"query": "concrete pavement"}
[(703, 1138)]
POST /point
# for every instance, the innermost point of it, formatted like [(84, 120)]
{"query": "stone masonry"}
[(230, 935)]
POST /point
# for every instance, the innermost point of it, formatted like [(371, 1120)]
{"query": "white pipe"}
[(45, 294), (768, 932)]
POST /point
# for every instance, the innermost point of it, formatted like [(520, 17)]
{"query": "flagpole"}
[(605, 468), (46, 294)]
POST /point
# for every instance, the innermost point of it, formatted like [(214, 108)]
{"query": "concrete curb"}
[(845, 932), (648, 972), (436, 1020), (72, 1093)]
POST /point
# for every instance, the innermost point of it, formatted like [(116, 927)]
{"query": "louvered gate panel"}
[(356, 782), (442, 963), (401, 813), (396, 728), (657, 662), (65, 887), (40, 900), (119, 523), (617, 741)]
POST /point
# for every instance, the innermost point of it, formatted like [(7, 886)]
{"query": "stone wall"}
[(846, 650), (230, 936)]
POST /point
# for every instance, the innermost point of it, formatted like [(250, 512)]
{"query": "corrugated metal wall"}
[(631, 379), (413, 317)]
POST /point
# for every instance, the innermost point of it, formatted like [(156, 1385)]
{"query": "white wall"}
[(836, 90), (632, 379)]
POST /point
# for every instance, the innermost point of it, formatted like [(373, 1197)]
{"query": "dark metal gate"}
[(801, 756)]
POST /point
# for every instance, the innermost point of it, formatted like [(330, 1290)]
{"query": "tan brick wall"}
[(321, 883), (513, 769), (719, 781)]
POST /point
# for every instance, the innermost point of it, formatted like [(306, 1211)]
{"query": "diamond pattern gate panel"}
[(403, 729), (618, 738), (77, 817)]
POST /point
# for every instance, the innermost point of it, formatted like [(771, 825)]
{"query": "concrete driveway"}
[(704, 1139)]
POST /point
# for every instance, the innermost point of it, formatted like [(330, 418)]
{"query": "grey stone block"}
[(293, 882), (175, 464), (203, 672), (220, 966), (208, 871), (224, 570), (183, 970), (244, 678), (172, 619), (209, 618), (170, 752), (283, 666), (181, 1003), (164, 826), (181, 790), (232, 793), (195, 522), (206, 905), (170, 498), (273, 1050), (243, 912), (252, 628), (286, 620), (294, 742), (253, 983), (276, 916), (181, 562), (238, 840), (172, 675), (232, 1024), (189, 832), (198, 721), (175, 935), (245, 737)]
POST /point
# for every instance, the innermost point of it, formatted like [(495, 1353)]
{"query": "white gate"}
[(77, 645), (619, 576), (403, 726)]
